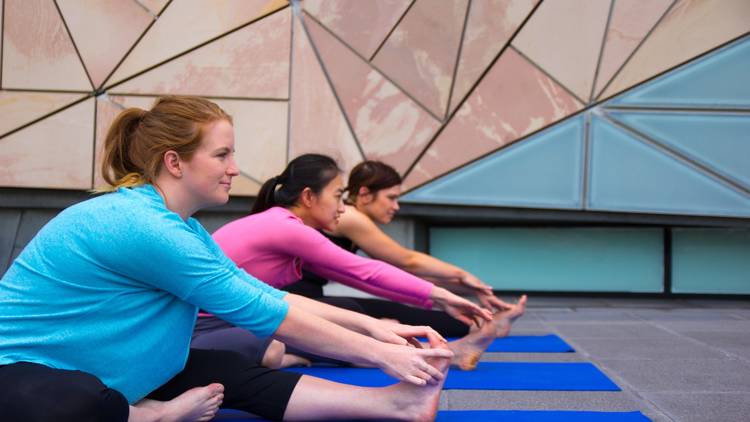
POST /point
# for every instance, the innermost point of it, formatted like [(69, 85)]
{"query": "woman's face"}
[(208, 174), (380, 206), (327, 205)]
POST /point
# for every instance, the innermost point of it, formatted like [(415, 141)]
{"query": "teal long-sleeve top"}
[(112, 285)]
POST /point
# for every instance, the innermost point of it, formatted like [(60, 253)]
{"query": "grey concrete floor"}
[(674, 359)]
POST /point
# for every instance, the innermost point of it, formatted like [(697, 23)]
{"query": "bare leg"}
[(469, 349), (197, 404), (317, 399)]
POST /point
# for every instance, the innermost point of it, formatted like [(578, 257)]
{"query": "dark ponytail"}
[(373, 175), (312, 171)]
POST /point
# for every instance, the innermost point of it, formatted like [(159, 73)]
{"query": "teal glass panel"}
[(718, 141), (543, 171), (629, 175), (720, 79), (711, 261), (556, 259)]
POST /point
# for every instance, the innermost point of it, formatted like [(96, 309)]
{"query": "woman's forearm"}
[(354, 321)]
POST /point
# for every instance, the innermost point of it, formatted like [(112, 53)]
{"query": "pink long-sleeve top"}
[(275, 244)]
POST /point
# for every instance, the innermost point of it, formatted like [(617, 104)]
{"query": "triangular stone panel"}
[(104, 30), (31, 158), (244, 186), (543, 171), (689, 29), (422, 61), (388, 124), (493, 116), (195, 23), (630, 22), (718, 141), (490, 25), (721, 79), (252, 62), (628, 175), (37, 51), (20, 108), (361, 24), (564, 38), (317, 124)]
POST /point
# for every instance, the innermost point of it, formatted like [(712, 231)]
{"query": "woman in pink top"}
[(281, 237)]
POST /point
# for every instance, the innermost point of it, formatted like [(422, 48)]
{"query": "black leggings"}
[(37, 393), (441, 322)]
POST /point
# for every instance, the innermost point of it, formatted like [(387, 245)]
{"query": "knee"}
[(91, 397), (274, 355)]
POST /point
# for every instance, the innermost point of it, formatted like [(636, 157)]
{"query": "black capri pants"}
[(37, 393)]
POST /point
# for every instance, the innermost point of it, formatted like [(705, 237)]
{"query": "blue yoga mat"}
[(497, 415), (538, 416), (547, 376), (549, 343)]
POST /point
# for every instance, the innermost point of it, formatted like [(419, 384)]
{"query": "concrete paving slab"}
[(703, 407), (645, 348), (684, 326), (680, 375), (687, 314), (629, 330), (593, 315), (738, 344)]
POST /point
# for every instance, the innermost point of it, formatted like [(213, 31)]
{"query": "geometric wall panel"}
[(628, 175), (422, 62), (154, 6), (719, 141), (494, 115), (104, 30), (629, 23), (34, 159), (389, 125), (689, 29), (37, 51), (543, 171), (361, 24), (317, 123), (490, 25), (242, 185), (19, 108), (564, 37), (252, 62), (721, 79), (185, 24)]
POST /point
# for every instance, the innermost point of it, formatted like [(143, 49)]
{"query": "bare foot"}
[(469, 349), (420, 403), (195, 405), (289, 360)]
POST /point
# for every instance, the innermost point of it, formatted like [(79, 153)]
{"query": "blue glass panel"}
[(543, 171), (711, 261), (556, 259), (628, 175), (720, 79), (718, 141)]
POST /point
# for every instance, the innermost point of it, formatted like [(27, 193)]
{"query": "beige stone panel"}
[(317, 124), (421, 53), (691, 28), (104, 30), (259, 136), (564, 37), (244, 186), (185, 24), (37, 51), (361, 24), (490, 25), (154, 6), (630, 22), (252, 62), (388, 124), (513, 100), (20, 108), (56, 152), (107, 108)]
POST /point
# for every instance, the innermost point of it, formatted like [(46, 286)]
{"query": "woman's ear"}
[(306, 197), (172, 163), (365, 194)]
